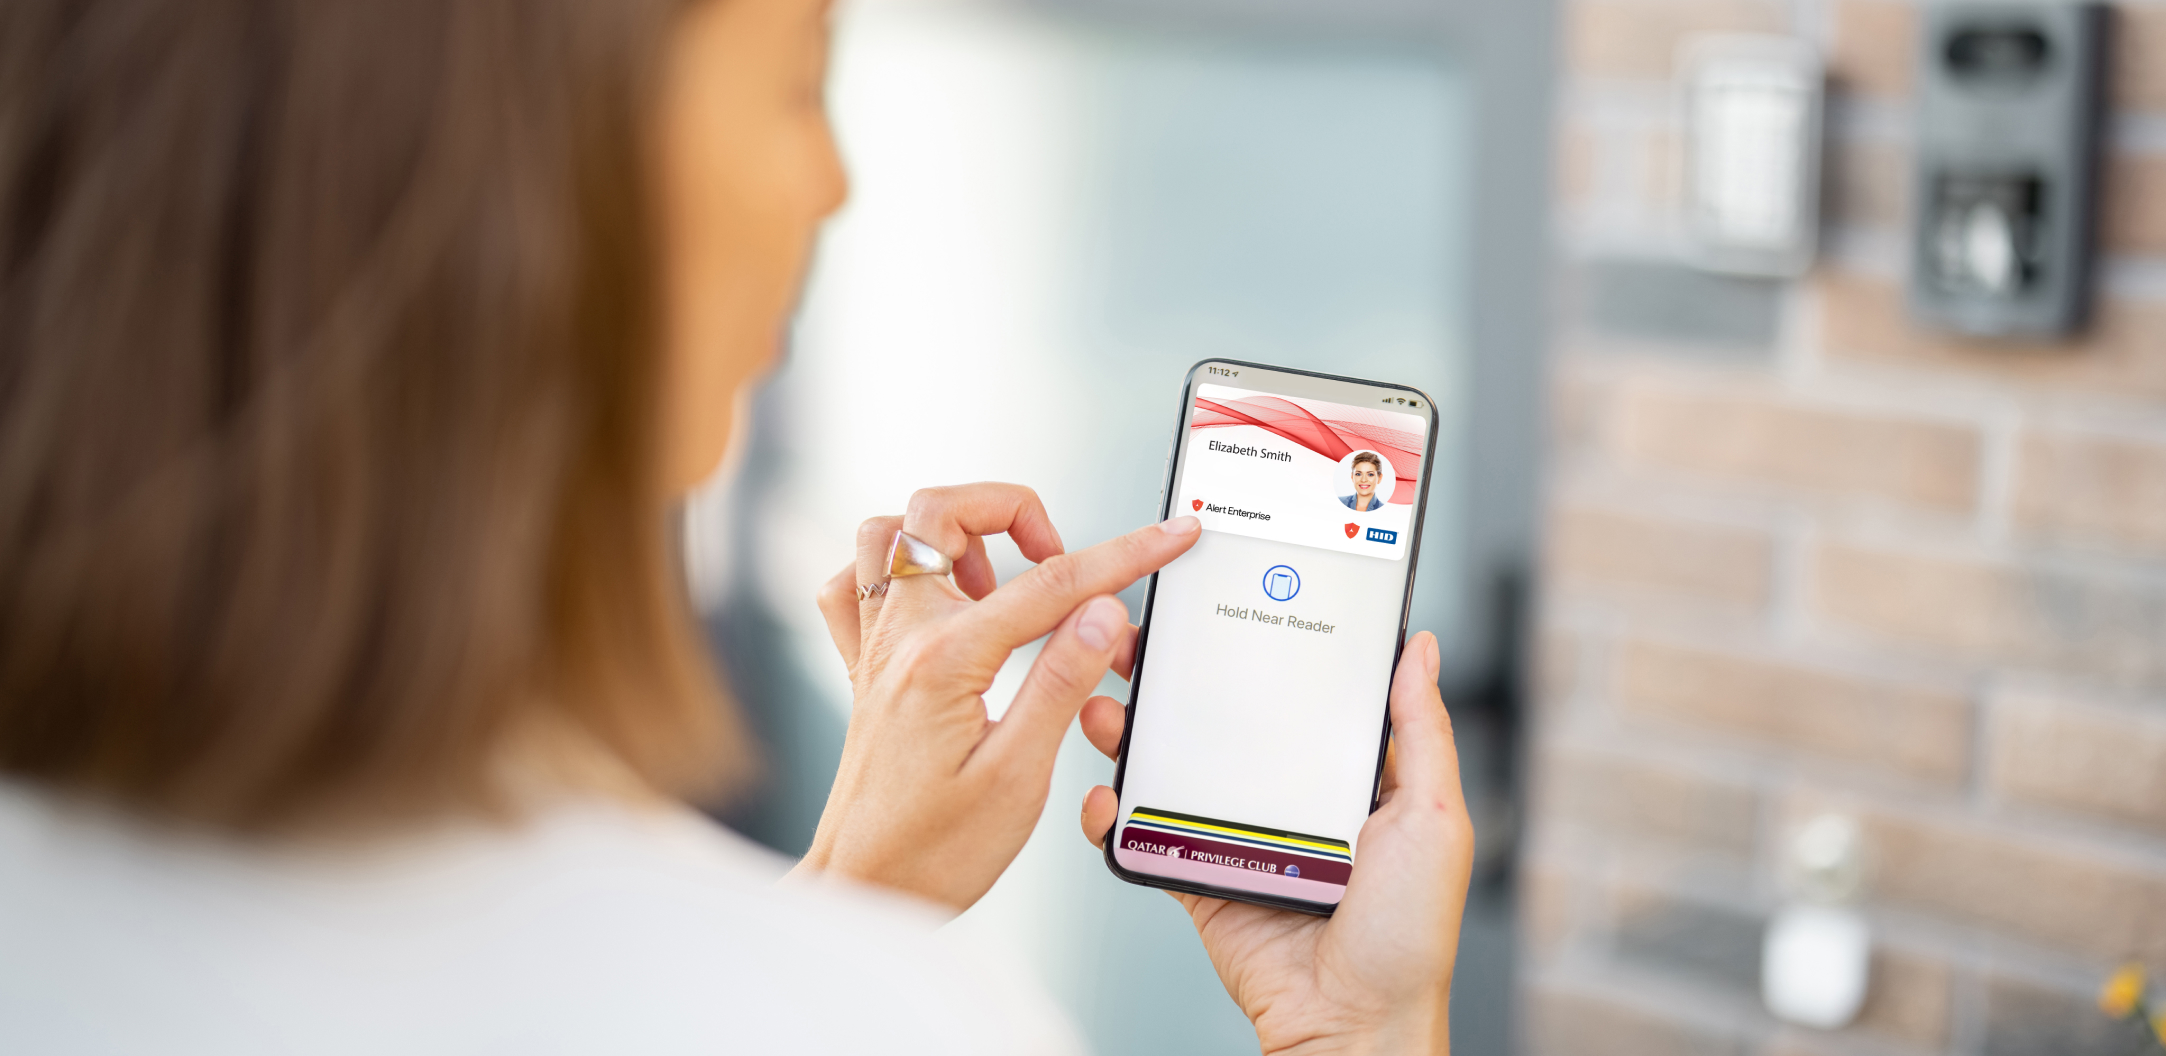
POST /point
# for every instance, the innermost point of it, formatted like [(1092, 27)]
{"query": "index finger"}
[(1036, 601), (948, 518)]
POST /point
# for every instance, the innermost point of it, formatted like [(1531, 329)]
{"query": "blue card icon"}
[(1281, 583)]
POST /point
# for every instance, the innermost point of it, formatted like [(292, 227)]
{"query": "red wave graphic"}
[(1334, 438)]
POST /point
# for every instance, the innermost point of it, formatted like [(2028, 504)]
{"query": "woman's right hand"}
[(933, 797), (1376, 976)]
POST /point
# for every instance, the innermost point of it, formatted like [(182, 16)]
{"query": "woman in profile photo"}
[(1368, 472), (354, 361)]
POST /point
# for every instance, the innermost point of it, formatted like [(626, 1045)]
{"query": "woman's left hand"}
[(1376, 975), (934, 797)]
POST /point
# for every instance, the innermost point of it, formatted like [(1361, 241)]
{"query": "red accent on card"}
[(1351, 529), (1197, 505), (1349, 429)]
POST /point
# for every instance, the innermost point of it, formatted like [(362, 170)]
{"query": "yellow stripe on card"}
[(1182, 823)]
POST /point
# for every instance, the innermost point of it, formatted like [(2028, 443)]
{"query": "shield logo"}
[(1351, 529), (1197, 505)]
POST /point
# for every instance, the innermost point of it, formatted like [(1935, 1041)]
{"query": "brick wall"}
[(1802, 555)]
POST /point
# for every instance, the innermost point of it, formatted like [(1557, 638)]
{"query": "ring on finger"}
[(908, 555)]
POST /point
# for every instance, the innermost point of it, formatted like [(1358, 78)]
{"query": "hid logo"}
[(1378, 535)]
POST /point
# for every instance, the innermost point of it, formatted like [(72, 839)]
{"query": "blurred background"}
[(1712, 554)]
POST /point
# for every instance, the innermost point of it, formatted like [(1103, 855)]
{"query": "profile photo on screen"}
[(1368, 482)]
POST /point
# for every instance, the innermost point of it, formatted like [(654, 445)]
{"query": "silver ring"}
[(869, 591)]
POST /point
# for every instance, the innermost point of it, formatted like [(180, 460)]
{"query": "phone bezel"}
[(1143, 628)]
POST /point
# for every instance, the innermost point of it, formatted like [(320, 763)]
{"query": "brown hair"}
[(1371, 458), (330, 369)]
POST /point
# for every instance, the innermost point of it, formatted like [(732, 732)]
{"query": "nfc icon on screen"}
[(1281, 583)]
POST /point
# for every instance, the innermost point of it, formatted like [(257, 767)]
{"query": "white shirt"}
[(597, 928)]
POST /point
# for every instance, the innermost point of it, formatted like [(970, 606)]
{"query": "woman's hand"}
[(1376, 976), (933, 797)]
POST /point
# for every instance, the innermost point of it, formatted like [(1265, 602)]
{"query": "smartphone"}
[(1256, 711)]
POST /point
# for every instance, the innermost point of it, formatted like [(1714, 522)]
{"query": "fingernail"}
[(1100, 622), (1430, 658), (1185, 524)]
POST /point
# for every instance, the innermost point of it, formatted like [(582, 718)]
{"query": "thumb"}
[(1424, 754), (1075, 659)]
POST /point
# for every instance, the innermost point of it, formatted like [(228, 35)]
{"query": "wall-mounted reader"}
[(2007, 129), (1751, 110)]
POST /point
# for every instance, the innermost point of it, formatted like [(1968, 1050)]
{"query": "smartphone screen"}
[(1256, 717)]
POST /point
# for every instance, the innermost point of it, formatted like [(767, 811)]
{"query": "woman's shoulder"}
[(589, 925), (815, 965)]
